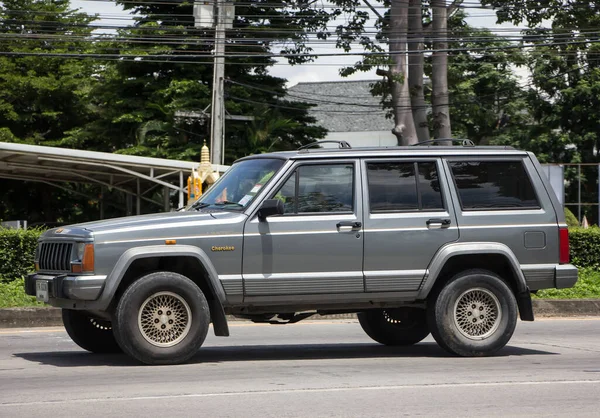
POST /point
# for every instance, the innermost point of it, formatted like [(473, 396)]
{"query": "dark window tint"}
[(493, 185), (429, 187), (392, 186), (395, 187), (319, 188)]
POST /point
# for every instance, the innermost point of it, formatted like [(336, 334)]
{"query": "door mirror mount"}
[(270, 207)]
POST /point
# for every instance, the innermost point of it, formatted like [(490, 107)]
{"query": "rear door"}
[(408, 217)]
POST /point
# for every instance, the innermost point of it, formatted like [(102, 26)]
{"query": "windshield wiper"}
[(200, 205), (228, 202)]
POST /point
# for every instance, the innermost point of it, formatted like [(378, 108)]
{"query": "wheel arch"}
[(495, 257), (186, 260)]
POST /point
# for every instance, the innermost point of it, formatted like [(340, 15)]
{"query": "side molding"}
[(450, 250)]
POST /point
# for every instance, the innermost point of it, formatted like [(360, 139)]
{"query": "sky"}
[(327, 68)]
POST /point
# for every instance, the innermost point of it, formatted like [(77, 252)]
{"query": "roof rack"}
[(463, 142), (342, 144)]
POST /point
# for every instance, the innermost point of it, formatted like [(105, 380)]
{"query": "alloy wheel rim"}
[(164, 319), (477, 313)]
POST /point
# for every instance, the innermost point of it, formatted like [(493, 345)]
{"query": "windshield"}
[(238, 186)]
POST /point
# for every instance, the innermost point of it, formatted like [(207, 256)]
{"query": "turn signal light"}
[(87, 263)]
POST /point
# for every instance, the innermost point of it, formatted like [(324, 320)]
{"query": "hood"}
[(143, 224)]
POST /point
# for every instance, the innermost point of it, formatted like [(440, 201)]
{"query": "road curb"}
[(48, 317)]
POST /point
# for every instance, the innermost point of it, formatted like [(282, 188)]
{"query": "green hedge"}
[(17, 249), (585, 247)]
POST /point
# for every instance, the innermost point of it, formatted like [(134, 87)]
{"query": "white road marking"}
[(306, 390)]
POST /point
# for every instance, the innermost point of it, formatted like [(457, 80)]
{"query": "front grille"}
[(55, 256)]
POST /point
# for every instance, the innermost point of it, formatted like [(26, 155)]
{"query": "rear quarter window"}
[(483, 185)]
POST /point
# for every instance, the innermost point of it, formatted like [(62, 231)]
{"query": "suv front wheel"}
[(474, 314), (398, 326), (162, 318)]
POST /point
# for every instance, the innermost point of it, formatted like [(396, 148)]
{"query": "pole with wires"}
[(218, 15), (217, 120)]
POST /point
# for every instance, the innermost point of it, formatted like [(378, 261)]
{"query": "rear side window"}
[(493, 185), (403, 186)]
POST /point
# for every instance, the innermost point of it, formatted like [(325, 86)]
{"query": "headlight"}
[(80, 251), (85, 259)]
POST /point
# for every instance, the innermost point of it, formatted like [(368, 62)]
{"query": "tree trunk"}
[(416, 68), (439, 79), (404, 125)]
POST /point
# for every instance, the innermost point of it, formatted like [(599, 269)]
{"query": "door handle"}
[(348, 226), (436, 223)]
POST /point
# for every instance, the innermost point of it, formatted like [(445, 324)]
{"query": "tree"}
[(488, 103), (565, 75), (406, 27), (139, 98), (43, 98)]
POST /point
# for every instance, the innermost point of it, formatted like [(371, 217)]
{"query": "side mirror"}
[(270, 207)]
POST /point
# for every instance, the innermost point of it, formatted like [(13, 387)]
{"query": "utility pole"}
[(216, 14), (217, 120)]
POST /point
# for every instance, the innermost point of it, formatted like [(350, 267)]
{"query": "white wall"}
[(365, 139)]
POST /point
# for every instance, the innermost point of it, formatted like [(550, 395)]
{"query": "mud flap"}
[(525, 305)]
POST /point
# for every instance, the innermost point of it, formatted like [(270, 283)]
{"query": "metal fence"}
[(577, 188)]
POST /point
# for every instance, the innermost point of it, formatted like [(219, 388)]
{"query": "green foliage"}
[(572, 221), (486, 99), (17, 249), (585, 247), (12, 295), (587, 287)]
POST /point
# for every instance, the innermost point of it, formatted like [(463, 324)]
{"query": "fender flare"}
[(128, 257), (450, 250)]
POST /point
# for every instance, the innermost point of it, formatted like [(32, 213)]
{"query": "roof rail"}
[(342, 144), (463, 142)]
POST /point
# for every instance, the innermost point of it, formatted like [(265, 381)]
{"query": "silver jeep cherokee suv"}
[(416, 240)]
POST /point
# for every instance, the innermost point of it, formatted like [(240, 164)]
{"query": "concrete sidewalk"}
[(47, 317)]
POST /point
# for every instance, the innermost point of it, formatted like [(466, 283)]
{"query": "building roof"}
[(53, 166), (343, 106)]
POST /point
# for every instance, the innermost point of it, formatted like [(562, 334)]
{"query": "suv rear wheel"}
[(162, 318), (91, 334), (474, 314), (399, 326)]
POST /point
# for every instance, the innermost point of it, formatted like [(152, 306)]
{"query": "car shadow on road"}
[(224, 354)]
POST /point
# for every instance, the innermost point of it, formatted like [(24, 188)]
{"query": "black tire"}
[(473, 332), (162, 318), (399, 326), (89, 333)]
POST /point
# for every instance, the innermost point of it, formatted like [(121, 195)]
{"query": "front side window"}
[(395, 186), (239, 185), (318, 188), (493, 185)]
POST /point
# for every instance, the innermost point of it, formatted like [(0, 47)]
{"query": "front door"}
[(408, 217), (316, 246)]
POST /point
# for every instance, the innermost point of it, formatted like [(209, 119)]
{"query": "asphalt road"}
[(310, 369)]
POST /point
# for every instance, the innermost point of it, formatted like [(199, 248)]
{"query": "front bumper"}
[(67, 287)]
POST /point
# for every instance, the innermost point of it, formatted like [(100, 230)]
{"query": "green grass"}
[(587, 287), (12, 295)]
